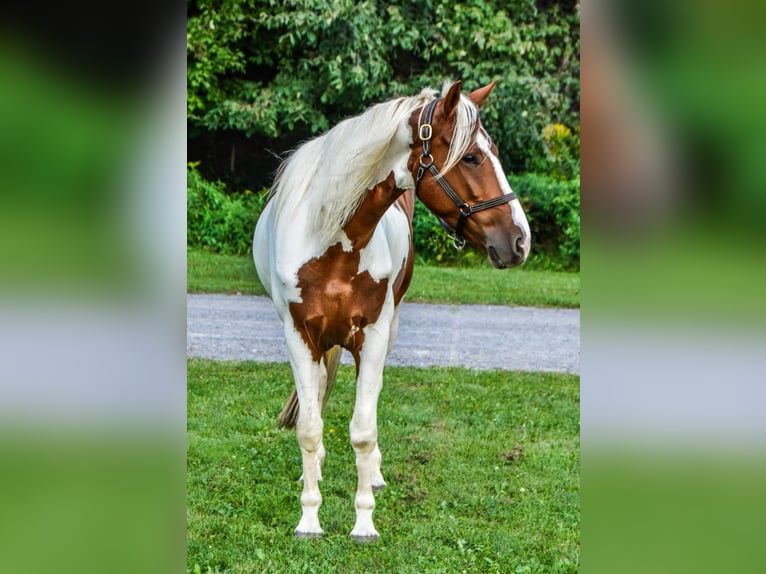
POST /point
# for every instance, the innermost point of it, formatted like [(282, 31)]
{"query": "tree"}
[(265, 74)]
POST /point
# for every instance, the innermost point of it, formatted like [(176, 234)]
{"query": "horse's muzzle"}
[(512, 255)]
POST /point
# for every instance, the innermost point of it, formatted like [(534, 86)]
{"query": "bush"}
[(279, 73), (553, 210), (217, 221), (224, 223), (431, 241)]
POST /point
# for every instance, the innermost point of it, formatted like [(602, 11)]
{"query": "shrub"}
[(553, 210), (218, 221), (224, 223), (281, 72), (431, 241)]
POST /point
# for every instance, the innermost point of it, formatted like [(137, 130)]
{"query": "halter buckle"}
[(425, 132)]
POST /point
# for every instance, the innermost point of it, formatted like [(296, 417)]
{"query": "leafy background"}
[(265, 75)]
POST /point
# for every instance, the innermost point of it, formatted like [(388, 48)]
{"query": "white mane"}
[(331, 173)]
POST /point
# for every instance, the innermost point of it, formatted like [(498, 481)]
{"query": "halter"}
[(425, 131)]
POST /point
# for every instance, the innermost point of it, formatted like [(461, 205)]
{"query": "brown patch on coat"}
[(337, 301), (405, 202), (362, 224)]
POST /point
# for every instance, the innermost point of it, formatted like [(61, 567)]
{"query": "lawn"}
[(482, 471), (214, 273)]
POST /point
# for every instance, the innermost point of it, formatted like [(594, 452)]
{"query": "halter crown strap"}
[(425, 132)]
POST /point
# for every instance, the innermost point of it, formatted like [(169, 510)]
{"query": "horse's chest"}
[(337, 301)]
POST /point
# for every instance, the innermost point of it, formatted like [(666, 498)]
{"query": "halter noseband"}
[(425, 131)]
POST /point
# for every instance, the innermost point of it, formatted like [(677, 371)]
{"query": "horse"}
[(333, 248)]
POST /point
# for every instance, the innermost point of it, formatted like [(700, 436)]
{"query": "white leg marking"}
[(376, 477), (320, 397), (308, 430), (364, 427), (394, 331)]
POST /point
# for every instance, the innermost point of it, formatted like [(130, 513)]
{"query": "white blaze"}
[(517, 212)]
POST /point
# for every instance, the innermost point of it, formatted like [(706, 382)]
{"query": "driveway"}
[(244, 327)]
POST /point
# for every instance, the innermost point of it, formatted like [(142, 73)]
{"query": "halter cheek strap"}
[(425, 132)]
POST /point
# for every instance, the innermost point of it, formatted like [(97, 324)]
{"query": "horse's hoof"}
[(365, 539), (308, 535)]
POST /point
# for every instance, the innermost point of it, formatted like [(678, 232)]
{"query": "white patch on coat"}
[(517, 212)]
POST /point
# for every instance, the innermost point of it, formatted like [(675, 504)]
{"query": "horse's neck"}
[(393, 177), (378, 200)]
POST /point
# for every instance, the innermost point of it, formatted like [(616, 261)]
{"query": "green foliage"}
[(268, 68), (224, 223), (552, 207), (484, 479), (562, 151), (217, 221), (430, 240)]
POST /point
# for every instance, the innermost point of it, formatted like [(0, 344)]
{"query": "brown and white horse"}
[(333, 248)]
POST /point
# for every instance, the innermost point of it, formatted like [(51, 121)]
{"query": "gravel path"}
[(241, 327)]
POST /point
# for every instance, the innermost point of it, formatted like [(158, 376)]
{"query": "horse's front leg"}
[(364, 427), (308, 429), (322, 389)]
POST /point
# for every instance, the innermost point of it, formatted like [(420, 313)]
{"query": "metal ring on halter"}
[(465, 209), (423, 167), (457, 243)]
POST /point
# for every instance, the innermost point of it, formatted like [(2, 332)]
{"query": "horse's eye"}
[(471, 159)]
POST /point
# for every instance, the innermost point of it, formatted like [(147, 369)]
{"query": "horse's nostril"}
[(520, 245)]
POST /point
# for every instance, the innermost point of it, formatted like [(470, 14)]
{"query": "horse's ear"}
[(451, 99), (478, 96)]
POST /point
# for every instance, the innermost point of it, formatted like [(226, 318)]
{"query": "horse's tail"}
[(289, 415)]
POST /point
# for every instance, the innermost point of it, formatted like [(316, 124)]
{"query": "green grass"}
[(484, 285), (482, 471), (213, 273)]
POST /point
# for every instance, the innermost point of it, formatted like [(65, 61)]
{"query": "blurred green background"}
[(673, 204), (92, 286)]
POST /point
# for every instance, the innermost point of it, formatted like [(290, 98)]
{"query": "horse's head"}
[(458, 176)]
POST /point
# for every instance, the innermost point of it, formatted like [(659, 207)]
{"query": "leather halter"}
[(425, 131)]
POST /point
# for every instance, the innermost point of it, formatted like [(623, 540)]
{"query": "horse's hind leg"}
[(364, 428), (328, 369), (308, 429), (376, 477)]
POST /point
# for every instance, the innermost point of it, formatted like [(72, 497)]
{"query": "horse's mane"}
[(331, 173)]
